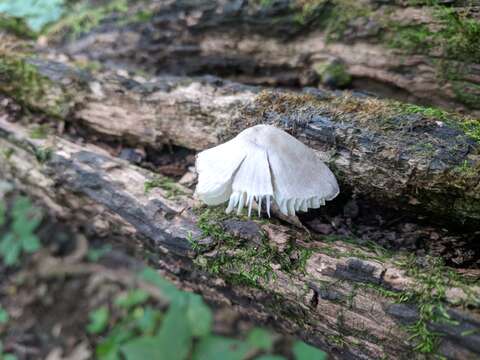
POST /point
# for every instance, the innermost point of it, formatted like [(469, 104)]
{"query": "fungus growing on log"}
[(262, 164)]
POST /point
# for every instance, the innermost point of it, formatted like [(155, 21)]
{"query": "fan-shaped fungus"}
[(262, 164)]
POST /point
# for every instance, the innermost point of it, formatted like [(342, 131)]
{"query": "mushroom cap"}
[(264, 163)]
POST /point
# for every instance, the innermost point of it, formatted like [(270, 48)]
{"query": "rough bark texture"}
[(343, 298), (410, 161), (421, 53)]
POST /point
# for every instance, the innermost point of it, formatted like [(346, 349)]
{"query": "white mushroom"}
[(260, 165)]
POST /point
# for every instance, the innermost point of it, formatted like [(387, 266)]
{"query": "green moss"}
[(430, 295), (142, 16), (89, 65), (459, 40), (470, 126), (84, 17), (239, 264), (250, 264), (410, 38), (16, 26), (285, 102), (331, 251), (337, 340), (264, 3), (169, 185), (342, 14), (245, 263), (368, 250), (22, 81), (43, 154), (16, 71), (460, 34), (466, 92), (307, 10), (456, 37), (426, 148), (333, 16), (398, 296), (7, 153), (333, 73), (39, 132), (466, 169), (429, 112)]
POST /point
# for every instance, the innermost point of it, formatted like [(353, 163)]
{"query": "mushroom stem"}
[(250, 203), (268, 205)]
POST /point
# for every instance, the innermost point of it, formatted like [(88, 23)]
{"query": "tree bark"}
[(419, 53), (409, 161), (348, 300)]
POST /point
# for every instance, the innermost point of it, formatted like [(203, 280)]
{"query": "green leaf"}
[(11, 254), (98, 320), (30, 243), (132, 298), (26, 224), (9, 357), (470, 332), (261, 339), (26, 217), (175, 335), (171, 293), (146, 347), (3, 315), (6, 242), (3, 212), (109, 349), (271, 357), (121, 332), (173, 341), (26, 221), (304, 351), (220, 348), (149, 320), (37, 13), (21, 205), (199, 316)]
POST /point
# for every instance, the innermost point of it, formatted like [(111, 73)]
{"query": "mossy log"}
[(357, 303), (421, 51), (406, 157)]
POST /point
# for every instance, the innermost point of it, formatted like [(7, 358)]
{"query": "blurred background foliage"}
[(134, 325), (35, 13)]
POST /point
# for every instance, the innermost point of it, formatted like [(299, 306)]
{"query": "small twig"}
[(52, 267), (81, 250)]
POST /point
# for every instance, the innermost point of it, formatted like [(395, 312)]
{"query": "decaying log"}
[(348, 300), (409, 160), (417, 52)]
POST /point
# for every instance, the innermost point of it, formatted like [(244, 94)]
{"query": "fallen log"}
[(356, 302), (424, 52), (406, 157)]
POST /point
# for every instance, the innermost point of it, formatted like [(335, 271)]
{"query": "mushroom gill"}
[(260, 165)]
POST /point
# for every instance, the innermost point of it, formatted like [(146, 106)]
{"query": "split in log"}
[(404, 157), (359, 303), (427, 52)]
